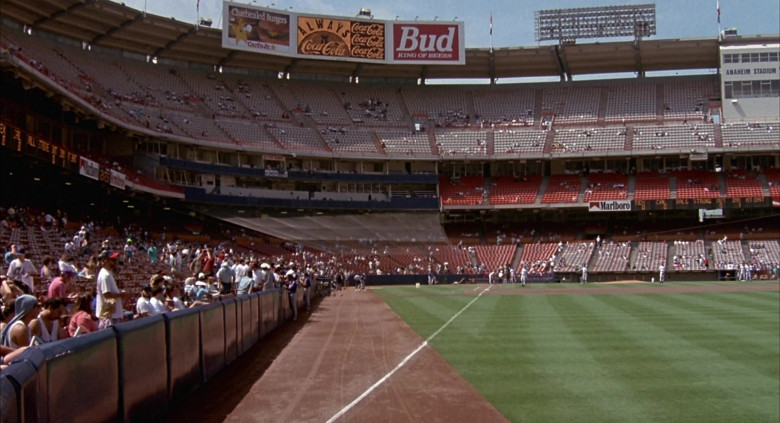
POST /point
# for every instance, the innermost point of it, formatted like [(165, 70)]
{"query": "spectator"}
[(10, 255), (109, 299), (158, 300), (21, 271), (47, 273), (60, 286), (225, 276), (47, 325), (143, 305), (16, 334), (82, 317)]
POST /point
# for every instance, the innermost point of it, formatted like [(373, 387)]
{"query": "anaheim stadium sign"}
[(281, 32)]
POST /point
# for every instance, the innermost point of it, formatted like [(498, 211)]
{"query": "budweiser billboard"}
[(263, 30), (429, 43)]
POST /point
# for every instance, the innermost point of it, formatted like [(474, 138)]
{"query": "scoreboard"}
[(702, 203)]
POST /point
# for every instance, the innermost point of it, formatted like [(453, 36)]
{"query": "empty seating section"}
[(681, 137), (504, 106), (538, 257), (48, 58), (349, 140), (689, 255), (572, 104), (441, 105), (494, 256), (773, 181), (650, 256), (606, 186), (155, 119), (297, 138), (405, 142), (510, 190), (169, 90), (574, 256), (255, 95), (591, 139), (318, 101), (737, 135), (612, 257), (631, 102), (199, 127), (651, 186), (250, 133), (727, 254), (696, 184), (461, 142), (115, 83), (372, 105), (765, 251), (562, 189), (463, 191), (687, 99), (453, 256), (214, 94), (743, 184), (518, 141)]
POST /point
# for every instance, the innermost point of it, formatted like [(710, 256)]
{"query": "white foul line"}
[(404, 361)]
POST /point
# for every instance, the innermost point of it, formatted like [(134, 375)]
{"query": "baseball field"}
[(685, 352)]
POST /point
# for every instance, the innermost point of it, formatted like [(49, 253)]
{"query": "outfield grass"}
[(661, 357)]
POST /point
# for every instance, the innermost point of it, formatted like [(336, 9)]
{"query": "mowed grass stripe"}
[(703, 382), (747, 319), (732, 342), (607, 357), (731, 380)]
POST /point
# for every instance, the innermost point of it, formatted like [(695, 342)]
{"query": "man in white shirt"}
[(108, 291), (22, 270)]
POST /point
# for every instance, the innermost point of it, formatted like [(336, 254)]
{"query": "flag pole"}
[(491, 32), (717, 9)]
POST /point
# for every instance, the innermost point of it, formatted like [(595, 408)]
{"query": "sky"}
[(513, 20)]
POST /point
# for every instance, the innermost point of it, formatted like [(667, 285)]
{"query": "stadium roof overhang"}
[(112, 25)]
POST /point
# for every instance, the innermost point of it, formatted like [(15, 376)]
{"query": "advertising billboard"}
[(252, 29), (308, 36), (427, 43)]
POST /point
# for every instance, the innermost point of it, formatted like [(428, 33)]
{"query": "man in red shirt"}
[(60, 286)]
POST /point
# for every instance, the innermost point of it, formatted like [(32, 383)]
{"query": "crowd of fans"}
[(90, 280)]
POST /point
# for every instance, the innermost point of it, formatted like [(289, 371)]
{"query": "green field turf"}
[(659, 357)]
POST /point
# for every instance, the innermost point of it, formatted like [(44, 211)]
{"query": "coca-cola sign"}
[(319, 36), (428, 42)]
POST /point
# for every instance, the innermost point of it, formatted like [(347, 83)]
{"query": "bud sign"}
[(428, 42)]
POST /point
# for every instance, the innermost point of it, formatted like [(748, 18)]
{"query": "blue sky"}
[(513, 20)]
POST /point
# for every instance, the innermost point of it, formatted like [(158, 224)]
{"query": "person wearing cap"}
[(47, 325), (291, 286), (264, 277), (143, 306), (60, 286), (201, 290), (225, 276), (21, 271), (109, 299)]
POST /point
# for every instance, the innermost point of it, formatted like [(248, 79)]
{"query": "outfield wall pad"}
[(136, 370)]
